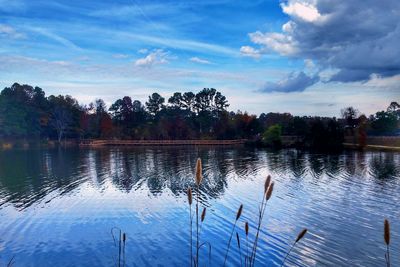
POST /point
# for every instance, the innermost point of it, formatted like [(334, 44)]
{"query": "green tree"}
[(220, 101), (155, 104), (188, 101), (21, 109), (176, 100), (384, 122), (273, 136)]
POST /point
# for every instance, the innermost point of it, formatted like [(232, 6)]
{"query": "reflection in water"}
[(27, 178), (81, 194), (383, 166)]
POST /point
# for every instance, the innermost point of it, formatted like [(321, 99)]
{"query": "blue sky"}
[(306, 57)]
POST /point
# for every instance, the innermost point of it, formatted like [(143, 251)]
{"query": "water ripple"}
[(57, 206)]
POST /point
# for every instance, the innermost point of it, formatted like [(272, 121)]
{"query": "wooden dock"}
[(97, 143)]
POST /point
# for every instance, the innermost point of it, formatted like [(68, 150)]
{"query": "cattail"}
[(238, 239), (124, 237), (246, 228), (203, 214), (199, 175), (189, 195), (267, 182), (240, 251), (239, 212), (301, 235), (387, 232), (269, 191)]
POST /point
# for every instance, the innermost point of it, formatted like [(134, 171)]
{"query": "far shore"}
[(372, 147), (376, 143)]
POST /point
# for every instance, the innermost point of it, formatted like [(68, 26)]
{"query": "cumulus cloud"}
[(357, 38), (8, 31), (294, 82), (156, 57), (199, 60), (301, 10), (249, 51)]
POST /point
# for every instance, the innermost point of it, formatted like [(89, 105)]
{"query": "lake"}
[(58, 206)]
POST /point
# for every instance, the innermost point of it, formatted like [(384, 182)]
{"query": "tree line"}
[(27, 113)]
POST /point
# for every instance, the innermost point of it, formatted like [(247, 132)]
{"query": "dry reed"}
[(246, 230), (238, 214), (11, 262), (203, 214), (387, 232), (198, 179), (199, 175), (268, 189), (240, 250), (190, 197), (121, 245), (190, 201), (266, 184), (386, 236), (299, 237)]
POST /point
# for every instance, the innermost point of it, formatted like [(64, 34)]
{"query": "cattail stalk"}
[(199, 177), (202, 217), (299, 237), (123, 247), (238, 214), (246, 230), (190, 200), (268, 189), (240, 250), (121, 244), (119, 249), (203, 214), (386, 236)]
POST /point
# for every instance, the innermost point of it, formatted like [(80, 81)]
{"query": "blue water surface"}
[(58, 206)]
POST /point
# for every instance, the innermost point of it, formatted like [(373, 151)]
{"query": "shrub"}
[(273, 136)]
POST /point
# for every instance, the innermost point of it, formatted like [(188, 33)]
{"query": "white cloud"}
[(281, 43), (301, 10), (199, 60), (249, 51), (156, 57), (183, 44), (355, 38), (8, 31)]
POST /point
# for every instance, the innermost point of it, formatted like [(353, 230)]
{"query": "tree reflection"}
[(383, 166), (32, 176)]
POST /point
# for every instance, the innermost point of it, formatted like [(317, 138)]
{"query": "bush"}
[(273, 136)]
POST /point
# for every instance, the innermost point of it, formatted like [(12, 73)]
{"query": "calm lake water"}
[(57, 207)]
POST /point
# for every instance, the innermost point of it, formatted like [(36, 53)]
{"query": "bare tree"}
[(61, 119), (350, 114)]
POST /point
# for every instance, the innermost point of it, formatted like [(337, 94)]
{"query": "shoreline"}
[(197, 142), (101, 143), (372, 147)]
